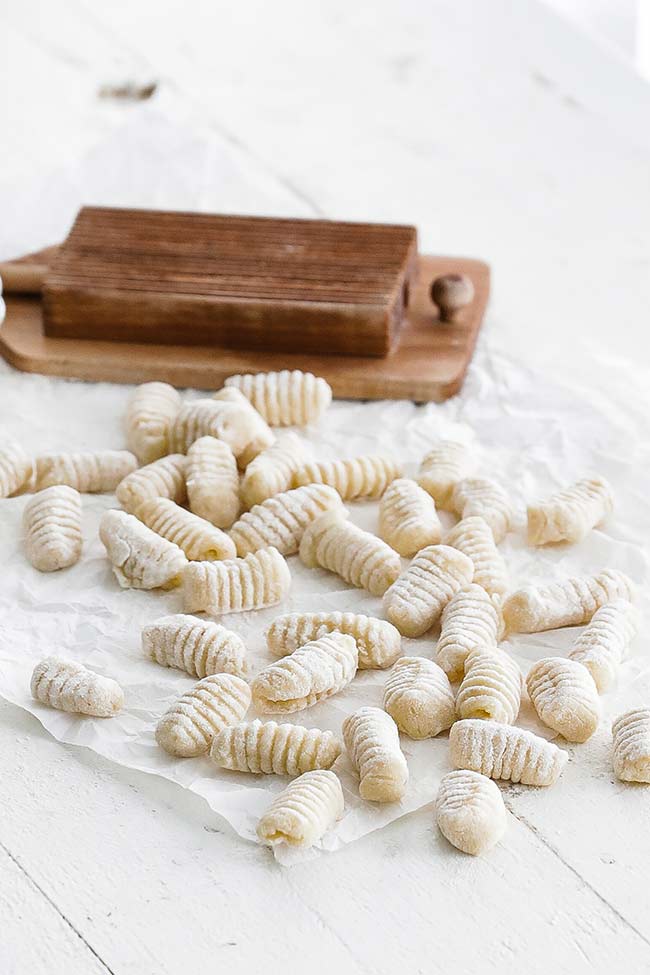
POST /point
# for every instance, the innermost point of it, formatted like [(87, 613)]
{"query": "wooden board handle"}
[(26, 275)]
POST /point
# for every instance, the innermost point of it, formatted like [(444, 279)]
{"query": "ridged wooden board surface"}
[(429, 364), (235, 282)]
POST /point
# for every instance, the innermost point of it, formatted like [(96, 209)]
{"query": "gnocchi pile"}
[(213, 503)]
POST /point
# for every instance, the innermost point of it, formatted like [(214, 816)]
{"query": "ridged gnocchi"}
[(163, 478), (282, 520), (408, 520), (16, 468), (415, 601), (470, 812), (199, 647), (569, 515), (188, 728), (491, 687), (149, 414), (287, 398), (271, 472), (140, 558), (568, 602), (91, 472), (479, 496), (198, 538), (212, 481), (304, 811), (604, 642), (334, 543), (470, 619), (379, 643), (267, 748), (69, 686), (419, 698), (631, 750), (442, 468), (565, 697), (473, 536), (501, 751), (310, 674), (372, 742), (52, 526), (360, 477), (231, 419), (236, 585)]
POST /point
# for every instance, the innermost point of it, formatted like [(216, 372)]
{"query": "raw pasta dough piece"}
[(93, 472), (491, 687), (287, 398), (504, 752), (69, 686), (470, 619), (604, 642), (442, 468), (304, 811), (470, 812), (198, 538), (164, 478), (631, 734), (415, 601), (271, 472), (270, 748), (281, 521), (570, 602), (419, 698), (407, 517), (231, 419), (360, 477), (569, 515), (316, 671), (199, 647), (189, 726), (15, 468), (52, 524), (473, 536), (236, 585), (486, 499), (149, 415), (212, 481), (379, 643), (565, 697), (372, 742), (140, 558), (362, 559)]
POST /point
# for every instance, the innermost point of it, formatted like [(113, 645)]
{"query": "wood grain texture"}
[(236, 282), (429, 364)]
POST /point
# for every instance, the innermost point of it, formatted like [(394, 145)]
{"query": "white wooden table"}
[(502, 133)]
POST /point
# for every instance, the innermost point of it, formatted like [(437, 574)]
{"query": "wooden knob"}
[(451, 293)]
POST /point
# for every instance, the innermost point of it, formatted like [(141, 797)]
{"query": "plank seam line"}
[(55, 907), (552, 849)]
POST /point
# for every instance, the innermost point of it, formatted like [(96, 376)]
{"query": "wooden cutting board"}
[(429, 363)]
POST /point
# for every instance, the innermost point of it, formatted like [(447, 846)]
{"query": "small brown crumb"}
[(451, 293)]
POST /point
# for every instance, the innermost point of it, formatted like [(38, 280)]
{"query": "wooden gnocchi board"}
[(429, 364)]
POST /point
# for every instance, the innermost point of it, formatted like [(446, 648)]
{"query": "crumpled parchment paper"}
[(532, 434)]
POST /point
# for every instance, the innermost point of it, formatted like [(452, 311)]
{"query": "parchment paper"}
[(531, 433)]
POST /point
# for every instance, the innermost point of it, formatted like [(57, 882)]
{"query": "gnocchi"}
[(164, 478), (264, 747), (419, 698), (354, 479), (271, 472), (372, 742), (631, 754), (212, 481), (479, 496), (442, 468), (236, 585), (491, 687), (415, 601), (469, 620), (569, 515), (149, 414), (188, 728), (229, 418), (604, 642), (315, 671), (281, 521), (408, 520), (473, 536), (501, 751), (92, 472), (199, 647), (198, 538), (304, 811), (16, 468), (287, 398), (379, 643), (69, 686), (572, 601), (470, 811), (565, 697), (140, 558), (52, 524)]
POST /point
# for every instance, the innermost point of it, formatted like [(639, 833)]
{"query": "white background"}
[(503, 133)]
